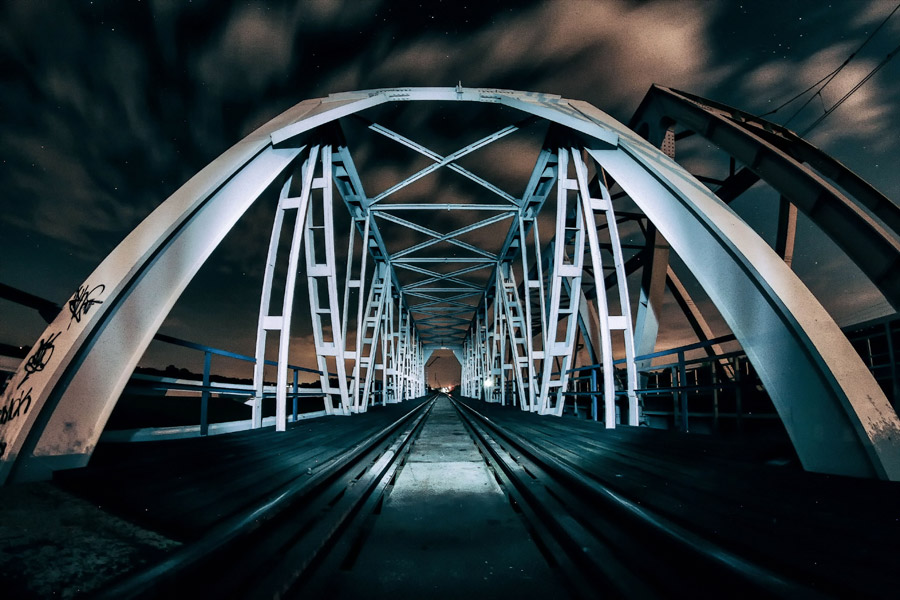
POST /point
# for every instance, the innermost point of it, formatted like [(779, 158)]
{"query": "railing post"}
[(594, 395), (296, 389), (321, 277), (739, 392), (673, 382), (682, 382), (575, 397), (714, 375), (204, 396), (892, 361)]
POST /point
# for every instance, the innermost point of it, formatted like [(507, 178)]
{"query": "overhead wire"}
[(830, 77), (844, 98), (785, 103)]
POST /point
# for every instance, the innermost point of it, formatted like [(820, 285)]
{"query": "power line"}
[(862, 82), (830, 76)]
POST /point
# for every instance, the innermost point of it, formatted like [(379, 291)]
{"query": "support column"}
[(517, 330), (354, 297), (323, 295), (653, 278), (787, 230), (387, 346), (543, 178), (497, 339), (281, 323), (368, 334), (484, 356), (402, 356), (562, 315), (391, 387), (653, 288), (602, 207), (531, 286)]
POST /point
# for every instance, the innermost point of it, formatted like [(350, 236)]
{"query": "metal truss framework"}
[(858, 218), (515, 336)]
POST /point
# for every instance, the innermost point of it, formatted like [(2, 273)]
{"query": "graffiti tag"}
[(15, 407), (82, 302), (41, 357)]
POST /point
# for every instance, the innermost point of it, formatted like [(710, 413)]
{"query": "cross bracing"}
[(512, 282)]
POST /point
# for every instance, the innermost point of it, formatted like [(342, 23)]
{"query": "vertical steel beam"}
[(478, 349), (497, 348), (402, 347), (602, 207), (281, 323), (517, 332), (322, 277), (485, 353), (356, 286), (419, 377), (470, 367), (392, 393), (368, 334), (653, 288), (787, 230), (532, 289), (653, 278), (387, 339), (562, 312), (535, 285), (621, 322)]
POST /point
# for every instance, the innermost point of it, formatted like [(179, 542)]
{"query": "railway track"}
[(598, 540), (265, 550), (605, 544)]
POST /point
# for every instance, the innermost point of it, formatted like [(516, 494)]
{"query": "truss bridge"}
[(546, 247)]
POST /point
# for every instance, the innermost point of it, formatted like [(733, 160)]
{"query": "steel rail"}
[(607, 539), (262, 550), (347, 504), (556, 533)]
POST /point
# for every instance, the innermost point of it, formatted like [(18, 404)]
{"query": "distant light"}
[(488, 382)]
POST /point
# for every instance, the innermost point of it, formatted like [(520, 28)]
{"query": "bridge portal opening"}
[(443, 370)]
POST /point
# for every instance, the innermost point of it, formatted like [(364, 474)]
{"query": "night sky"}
[(106, 108)]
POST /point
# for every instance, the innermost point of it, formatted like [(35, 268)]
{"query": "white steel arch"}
[(60, 399)]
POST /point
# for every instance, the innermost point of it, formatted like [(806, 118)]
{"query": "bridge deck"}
[(445, 531), (181, 488), (839, 535)]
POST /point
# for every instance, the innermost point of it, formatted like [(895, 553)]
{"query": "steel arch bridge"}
[(520, 336)]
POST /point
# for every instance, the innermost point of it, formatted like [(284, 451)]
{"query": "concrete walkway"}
[(447, 530)]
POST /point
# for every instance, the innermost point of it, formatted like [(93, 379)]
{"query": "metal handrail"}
[(168, 339), (695, 346)]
